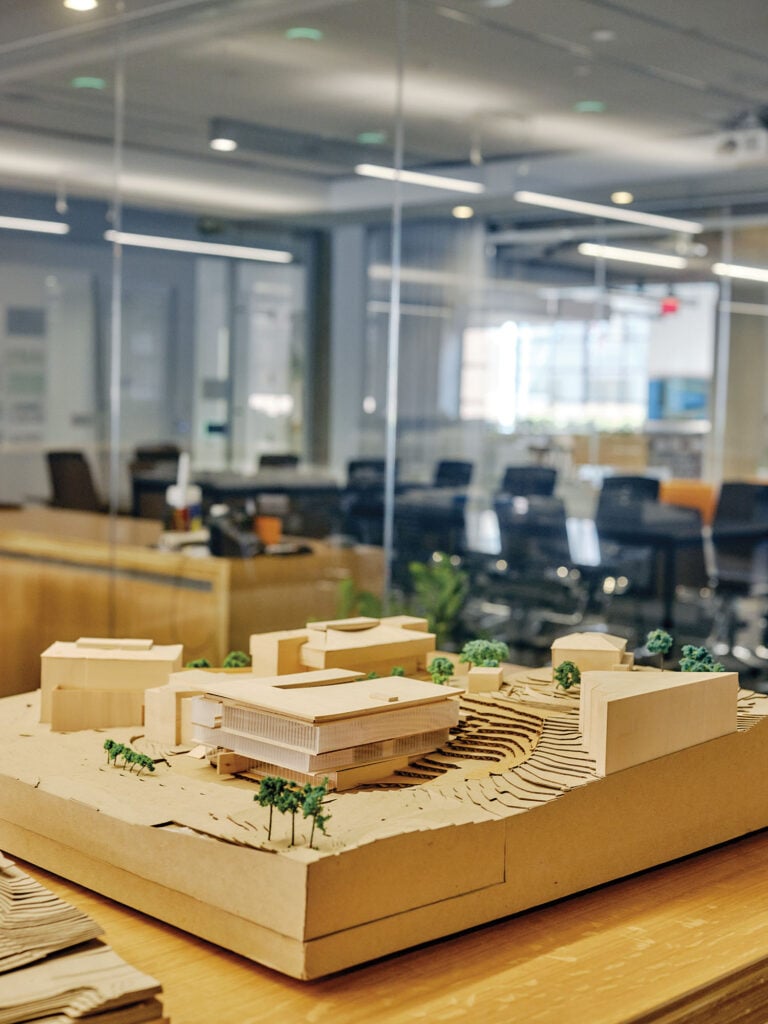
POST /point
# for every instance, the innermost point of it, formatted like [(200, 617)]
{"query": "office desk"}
[(69, 574), (687, 942), (312, 499), (667, 530)]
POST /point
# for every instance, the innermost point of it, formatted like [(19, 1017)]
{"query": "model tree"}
[(659, 642), (237, 659), (440, 670), (199, 663), (567, 674), (397, 670), (289, 802), (485, 653), (269, 793), (312, 807), (698, 659)]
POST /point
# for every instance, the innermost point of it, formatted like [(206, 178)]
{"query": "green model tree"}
[(289, 802), (237, 659), (397, 670), (312, 807), (698, 659), (485, 653), (567, 674), (269, 793), (440, 670), (373, 675), (659, 642), (199, 663)]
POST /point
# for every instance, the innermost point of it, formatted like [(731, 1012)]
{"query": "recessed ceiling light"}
[(463, 212), (304, 32), (603, 35), (88, 82), (372, 138), (622, 198), (223, 145), (238, 252), (47, 227), (740, 272), (589, 107), (81, 5)]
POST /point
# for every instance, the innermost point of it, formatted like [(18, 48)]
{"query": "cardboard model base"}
[(400, 865)]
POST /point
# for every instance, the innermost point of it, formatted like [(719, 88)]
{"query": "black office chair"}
[(621, 501), (152, 454), (453, 473), (278, 460), (740, 549), (529, 480), (534, 575), (72, 483)]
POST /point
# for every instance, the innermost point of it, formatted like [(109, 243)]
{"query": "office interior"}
[(223, 263)]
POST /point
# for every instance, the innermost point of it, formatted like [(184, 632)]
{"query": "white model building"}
[(331, 722), (99, 682)]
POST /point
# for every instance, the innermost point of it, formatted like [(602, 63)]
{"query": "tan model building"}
[(592, 652), (99, 682)]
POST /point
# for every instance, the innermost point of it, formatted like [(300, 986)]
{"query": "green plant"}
[(567, 674), (441, 670), (397, 670), (199, 663), (237, 659), (659, 642), (289, 802), (488, 653), (373, 675), (440, 589), (698, 659), (351, 602)]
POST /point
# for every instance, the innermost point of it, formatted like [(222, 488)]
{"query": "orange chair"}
[(690, 494)]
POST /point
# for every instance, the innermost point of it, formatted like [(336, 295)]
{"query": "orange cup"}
[(269, 529)]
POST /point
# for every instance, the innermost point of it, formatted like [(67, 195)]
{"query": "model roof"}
[(591, 642), (321, 701)]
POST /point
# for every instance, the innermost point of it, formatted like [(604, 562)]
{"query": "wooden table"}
[(70, 574), (687, 942)]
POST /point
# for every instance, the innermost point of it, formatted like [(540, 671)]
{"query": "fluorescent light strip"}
[(238, 252), (651, 259), (608, 212), (47, 227), (743, 273), (419, 178)]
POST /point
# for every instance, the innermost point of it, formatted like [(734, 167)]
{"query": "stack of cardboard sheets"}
[(53, 969)]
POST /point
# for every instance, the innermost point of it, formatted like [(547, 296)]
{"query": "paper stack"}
[(90, 980)]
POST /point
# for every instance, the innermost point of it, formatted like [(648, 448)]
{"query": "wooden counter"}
[(687, 942), (70, 574)]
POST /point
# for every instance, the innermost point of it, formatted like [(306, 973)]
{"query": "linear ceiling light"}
[(608, 212), (419, 178), (238, 252), (743, 273), (47, 227), (651, 259)]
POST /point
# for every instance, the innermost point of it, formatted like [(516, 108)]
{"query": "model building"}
[(592, 652), (99, 682), (330, 722), (364, 644)]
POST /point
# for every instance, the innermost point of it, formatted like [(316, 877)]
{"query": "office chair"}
[(72, 483), (528, 480), (740, 549), (452, 473)]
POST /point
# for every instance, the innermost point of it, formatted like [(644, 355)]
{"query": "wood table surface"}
[(684, 942)]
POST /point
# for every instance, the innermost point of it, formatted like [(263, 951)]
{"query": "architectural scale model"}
[(99, 682), (329, 723), (527, 801), (363, 644), (593, 652)]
